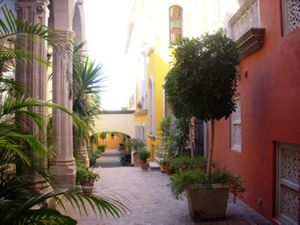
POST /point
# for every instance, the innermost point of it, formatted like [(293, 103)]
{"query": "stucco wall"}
[(115, 122), (269, 91)]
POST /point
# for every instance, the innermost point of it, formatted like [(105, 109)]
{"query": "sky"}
[(106, 29)]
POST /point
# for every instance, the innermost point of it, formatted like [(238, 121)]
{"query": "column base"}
[(64, 172)]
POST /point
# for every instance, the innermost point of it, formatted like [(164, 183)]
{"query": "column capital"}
[(41, 5), (33, 10)]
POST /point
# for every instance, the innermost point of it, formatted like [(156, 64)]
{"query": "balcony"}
[(245, 29)]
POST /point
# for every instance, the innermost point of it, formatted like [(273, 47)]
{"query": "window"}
[(291, 15), (140, 132), (151, 107), (175, 23), (236, 134)]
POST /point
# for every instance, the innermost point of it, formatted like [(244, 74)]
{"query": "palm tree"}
[(87, 85), (20, 203)]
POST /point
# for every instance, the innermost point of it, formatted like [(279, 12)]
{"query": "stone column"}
[(80, 147), (62, 164), (33, 75)]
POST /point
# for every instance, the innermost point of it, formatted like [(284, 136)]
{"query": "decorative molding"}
[(245, 18), (251, 42), (291, 16), (117, 112)]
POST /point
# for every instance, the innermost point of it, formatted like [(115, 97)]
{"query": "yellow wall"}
[(151, 31)]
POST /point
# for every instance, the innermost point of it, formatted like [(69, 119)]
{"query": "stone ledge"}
[(141, 112), (251, 42)]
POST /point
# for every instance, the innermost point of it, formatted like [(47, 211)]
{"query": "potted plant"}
[(134, 145), (93, 156), (144, 155), (202, 83), (102, 147), (163, 165), (86, 178)]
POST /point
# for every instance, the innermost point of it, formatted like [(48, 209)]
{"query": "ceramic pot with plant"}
[(214, 100), (134, 145), (86, 178), (163, 165), (102, 147), (144, 155)]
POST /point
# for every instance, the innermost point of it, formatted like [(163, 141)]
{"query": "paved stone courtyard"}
[(150, 199)]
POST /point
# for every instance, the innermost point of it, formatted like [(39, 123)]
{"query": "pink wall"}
[(270, 110)]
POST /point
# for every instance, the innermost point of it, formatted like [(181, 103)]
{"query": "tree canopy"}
[(202, 81)]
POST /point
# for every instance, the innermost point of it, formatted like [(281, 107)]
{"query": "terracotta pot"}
[(163, 168), (136, 160), (169, 170), (207, 203), (145, 166), (87, 187)]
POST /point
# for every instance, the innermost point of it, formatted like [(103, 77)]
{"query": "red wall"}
[(270, 110)]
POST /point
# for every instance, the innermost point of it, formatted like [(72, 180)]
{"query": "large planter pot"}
[(144, 166), (87, 187), (208, 203), (169, 170), (163, 168), (136, 160)]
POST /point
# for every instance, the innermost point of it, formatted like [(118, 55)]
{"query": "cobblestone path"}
[(151, 201)]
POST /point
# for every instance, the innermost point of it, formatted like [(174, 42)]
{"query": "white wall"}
[(115, 122)]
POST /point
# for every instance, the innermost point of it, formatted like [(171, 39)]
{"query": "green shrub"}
[(135, 145), (181, 163), (191, 179), (125, 159), (102, 147), (85, 174), (144, 155), (93, 156)]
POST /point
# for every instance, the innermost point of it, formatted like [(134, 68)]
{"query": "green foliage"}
[(143, 154), (125, 159), (135, 144), (19, 202), (45, 216), (202, 81), (93, 156), (86, 87), (103, 135), (85, 174), (191, 179), (174, 135), (183, 163)]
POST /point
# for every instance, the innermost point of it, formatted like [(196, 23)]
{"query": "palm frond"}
[(17, 199), (44, 216), (9, 54)]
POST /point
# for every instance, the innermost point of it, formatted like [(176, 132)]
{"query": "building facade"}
[(153, 27), (261, 140)]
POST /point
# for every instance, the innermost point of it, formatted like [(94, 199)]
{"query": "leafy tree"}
[(203, 80)]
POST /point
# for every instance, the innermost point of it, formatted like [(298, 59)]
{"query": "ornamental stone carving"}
[(292, 14)]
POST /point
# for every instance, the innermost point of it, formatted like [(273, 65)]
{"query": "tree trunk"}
[(210, 152)]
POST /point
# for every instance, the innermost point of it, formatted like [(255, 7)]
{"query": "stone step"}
[(154, 166)]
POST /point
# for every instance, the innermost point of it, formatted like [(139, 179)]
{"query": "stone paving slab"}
[(151, 201)]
